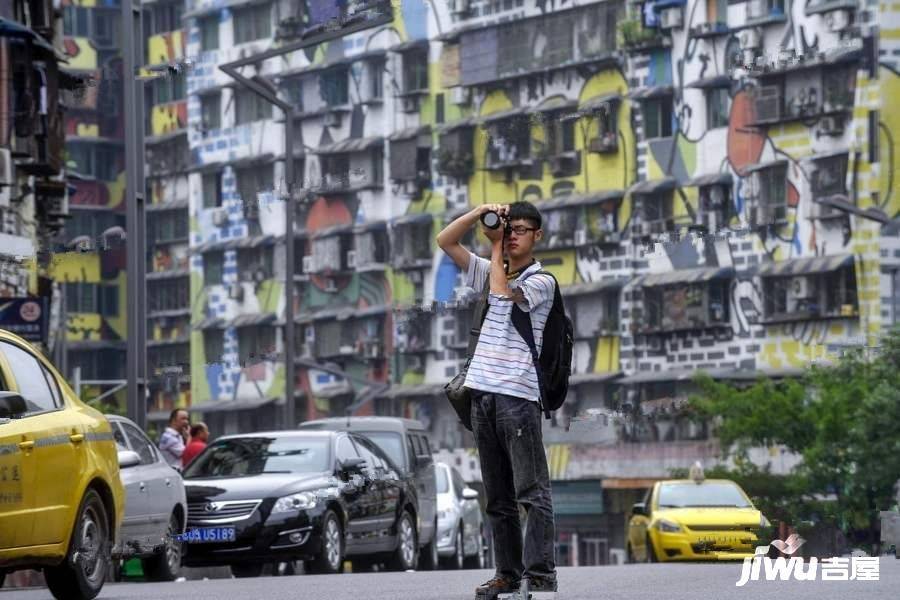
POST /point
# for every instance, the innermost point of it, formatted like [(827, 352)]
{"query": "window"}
[(77, 21), (596, 314), (168, 226), (209, 33), (252, 23), (106, 28), (411, 159), (335, 170), (167, 89), (560, 225), (658, 211), (96, 160), (118, 436), (376, 174), (717, 107), (82, 297), (559, 134), (715, 207), (375, 69), (413, 242), (90, 223), (509, 141), (374, 463), (31, 378), (371, 247), (687, 306), (251, 260), (828, 176), (415, 70), (657, 117), (250, 107), (211, 111), (334, 87), (109, 300), (214, 345), (458, 484), (811, 296), (250, 182), (212, 190), (166, 17), (293, 91), (255, 343), (168, 294), (139, 443), (345, 449), (456, 152), (213, 265), (771, 196)]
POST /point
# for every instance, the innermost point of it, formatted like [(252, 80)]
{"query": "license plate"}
[(207, 535)]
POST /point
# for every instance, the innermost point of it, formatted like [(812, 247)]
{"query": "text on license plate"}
[(205, 535)]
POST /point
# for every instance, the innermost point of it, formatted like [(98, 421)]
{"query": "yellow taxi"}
[(694, 519), (61, 499)]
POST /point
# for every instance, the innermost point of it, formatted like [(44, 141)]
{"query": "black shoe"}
[(542, 584), (496, 585)]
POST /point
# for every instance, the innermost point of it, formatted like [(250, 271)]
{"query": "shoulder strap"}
[(522, 322), (478, 314)]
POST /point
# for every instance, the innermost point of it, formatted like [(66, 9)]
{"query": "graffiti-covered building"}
[(90, 260), (715, 179)]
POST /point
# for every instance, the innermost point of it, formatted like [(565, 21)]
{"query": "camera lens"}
[(491, 219)]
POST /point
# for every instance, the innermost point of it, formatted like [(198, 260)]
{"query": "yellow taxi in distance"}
[(61, 499), (694, 519)]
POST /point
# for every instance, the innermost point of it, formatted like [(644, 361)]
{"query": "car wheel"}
[(651, 553), (479, 560), (404, 557), (166, 564), (429, 560), (245, 570), (83, 572), (331, 558)]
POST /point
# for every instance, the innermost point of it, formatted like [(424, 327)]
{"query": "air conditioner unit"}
[(459, 95), (801, 287), (236, 292), (310, 334), (373, 349), (672, 18), (832, 125), (57, 206), (6, 177), (837, 20), (750, 39), (332, 119), (757, 9), (410, 104), (307, 264), (351, 259), (581, 237), (329, 285), (219, 217)]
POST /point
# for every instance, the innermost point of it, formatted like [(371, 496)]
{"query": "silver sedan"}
[(461, 537)]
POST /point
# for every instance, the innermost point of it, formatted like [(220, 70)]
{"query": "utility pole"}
[(136, 281), (294, 188)]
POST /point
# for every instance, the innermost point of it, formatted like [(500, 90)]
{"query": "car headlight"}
[(763, 521), (294, 502), (667, 526)]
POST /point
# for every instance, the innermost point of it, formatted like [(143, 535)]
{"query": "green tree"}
[(842, 420)]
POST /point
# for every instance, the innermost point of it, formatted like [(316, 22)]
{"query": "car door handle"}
[(168, 482), (76, 438), (28, 445)]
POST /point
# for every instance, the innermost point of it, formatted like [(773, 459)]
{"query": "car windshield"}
[(391, 443), (679, 495), (257, 455), (443, 485)]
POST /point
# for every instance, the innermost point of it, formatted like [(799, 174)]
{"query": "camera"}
[(491, 219)]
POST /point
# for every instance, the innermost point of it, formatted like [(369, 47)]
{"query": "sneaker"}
[(542, 584), (496, 585)]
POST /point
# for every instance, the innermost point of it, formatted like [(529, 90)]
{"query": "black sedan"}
[(288, 495)]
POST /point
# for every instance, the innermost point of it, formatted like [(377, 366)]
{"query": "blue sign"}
[(28, 318)]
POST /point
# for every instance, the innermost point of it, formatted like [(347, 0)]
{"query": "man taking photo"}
[(506, 415)]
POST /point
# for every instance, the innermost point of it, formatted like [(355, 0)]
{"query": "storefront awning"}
[(709, 179), (333, 230), (695, 275), (718, 81), (580, 199), (654, 185), (584, 378), (253, 320), (656, 91), (410, 133), (804, 266), (350, 145), (460, 123), (598, 102), (505, 114), (218, 406), (414, 218), (173, 205), (210, 323), (590, 287)]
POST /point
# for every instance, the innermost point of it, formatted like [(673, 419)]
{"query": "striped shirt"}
[(502, 362)]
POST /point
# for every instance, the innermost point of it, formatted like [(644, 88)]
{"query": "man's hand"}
[(494, 235)]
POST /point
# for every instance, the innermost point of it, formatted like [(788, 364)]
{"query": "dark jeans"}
[(514, 471)]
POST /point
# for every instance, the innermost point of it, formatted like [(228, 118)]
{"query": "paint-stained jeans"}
[(514, 471)]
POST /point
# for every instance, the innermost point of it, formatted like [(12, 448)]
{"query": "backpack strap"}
[(521, 320)]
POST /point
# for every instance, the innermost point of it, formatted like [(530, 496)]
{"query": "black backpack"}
[(554, 364)]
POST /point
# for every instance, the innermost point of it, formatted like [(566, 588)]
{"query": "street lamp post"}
[(133, 111), (293, 187)]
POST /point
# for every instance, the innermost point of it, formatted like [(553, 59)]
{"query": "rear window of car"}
[(443, 484), (391, 443)]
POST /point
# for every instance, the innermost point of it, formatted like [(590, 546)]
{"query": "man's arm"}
[(448, 239)]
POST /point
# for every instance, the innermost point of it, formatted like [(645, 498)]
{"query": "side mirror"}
[(639, 508), (469, 494), (12, 405), (128, 458), (352, 465)]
